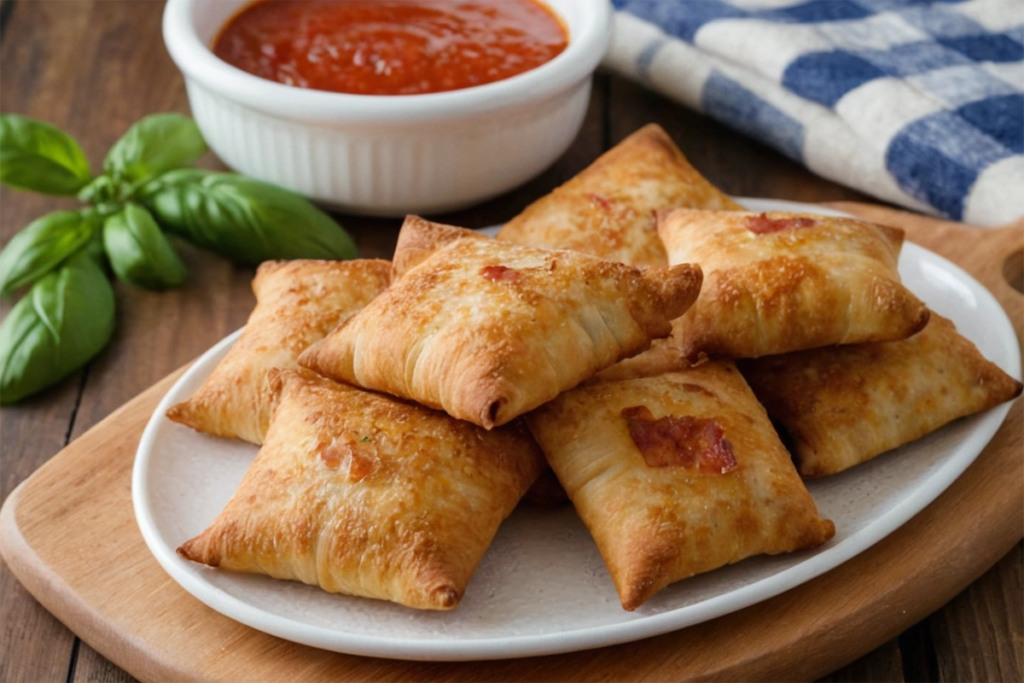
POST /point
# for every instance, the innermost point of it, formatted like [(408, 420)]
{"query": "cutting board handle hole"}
[(1013, 270)]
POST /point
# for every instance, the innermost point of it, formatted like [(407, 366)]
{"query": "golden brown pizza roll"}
[(297, 303), (608, 210), (663, 356), (842, 406), (676, 475), (487, 330), (366, 495), (779, 282)]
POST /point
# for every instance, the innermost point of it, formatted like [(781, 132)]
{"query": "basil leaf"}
[(42, 245), (139, 252), (245, 220), (37, 156), (65, 319), (153, 145)]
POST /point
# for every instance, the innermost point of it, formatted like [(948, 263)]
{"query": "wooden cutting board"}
[(68, 533)]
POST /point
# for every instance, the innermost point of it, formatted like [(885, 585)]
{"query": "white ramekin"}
[(388, 155)]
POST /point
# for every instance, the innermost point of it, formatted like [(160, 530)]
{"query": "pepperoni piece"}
[(601, 201), (349, 454), (500, 274), (692, 442), (761, 224)]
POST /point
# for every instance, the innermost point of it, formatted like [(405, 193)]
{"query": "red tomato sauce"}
[(390, 47)]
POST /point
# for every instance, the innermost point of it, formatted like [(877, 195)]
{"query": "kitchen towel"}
[(917, 103)]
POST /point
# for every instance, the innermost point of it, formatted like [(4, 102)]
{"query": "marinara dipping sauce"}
[(390, 47)]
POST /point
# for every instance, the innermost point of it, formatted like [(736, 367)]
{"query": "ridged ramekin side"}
[(407, 167)]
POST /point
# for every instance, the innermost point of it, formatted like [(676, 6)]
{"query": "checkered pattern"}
[(917, 103)]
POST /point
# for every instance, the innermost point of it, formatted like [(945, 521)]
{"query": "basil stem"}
[(245, 220), (62, 323), (155, 144), (43, 244), (139, 253), (37, 156), (100, 190)]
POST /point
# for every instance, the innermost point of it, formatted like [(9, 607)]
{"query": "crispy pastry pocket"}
[(779, 282), (364, 495), (675, 475), (297, 303), (843, 406), (608, 210), (487, 330)]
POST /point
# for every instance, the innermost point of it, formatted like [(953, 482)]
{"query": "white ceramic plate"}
[(542, 587)]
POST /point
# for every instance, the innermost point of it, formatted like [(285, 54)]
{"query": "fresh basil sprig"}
[(145, 191), (65, 320), (242, 218)]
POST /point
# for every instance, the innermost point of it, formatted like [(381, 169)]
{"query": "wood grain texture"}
[(967, 632), (75, 62), (34, 646), (127, 608), (885, 663), (918, 653), (93, 67)]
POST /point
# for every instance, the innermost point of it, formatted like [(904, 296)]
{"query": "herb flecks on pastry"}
[(487, 330), (845, 405), (297, 303), (675, 475), (778, 282), (608, 210), (366, 495)]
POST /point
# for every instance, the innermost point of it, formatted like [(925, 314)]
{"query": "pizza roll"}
[(487, 330), (365, 495), (676, 475), (779, 282), (297, 303), (663, 356), (841, 406), (608, 210)]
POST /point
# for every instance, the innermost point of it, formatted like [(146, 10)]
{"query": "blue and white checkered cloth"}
[(917, 103)]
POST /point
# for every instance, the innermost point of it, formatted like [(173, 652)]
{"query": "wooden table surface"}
[(93, 67)]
